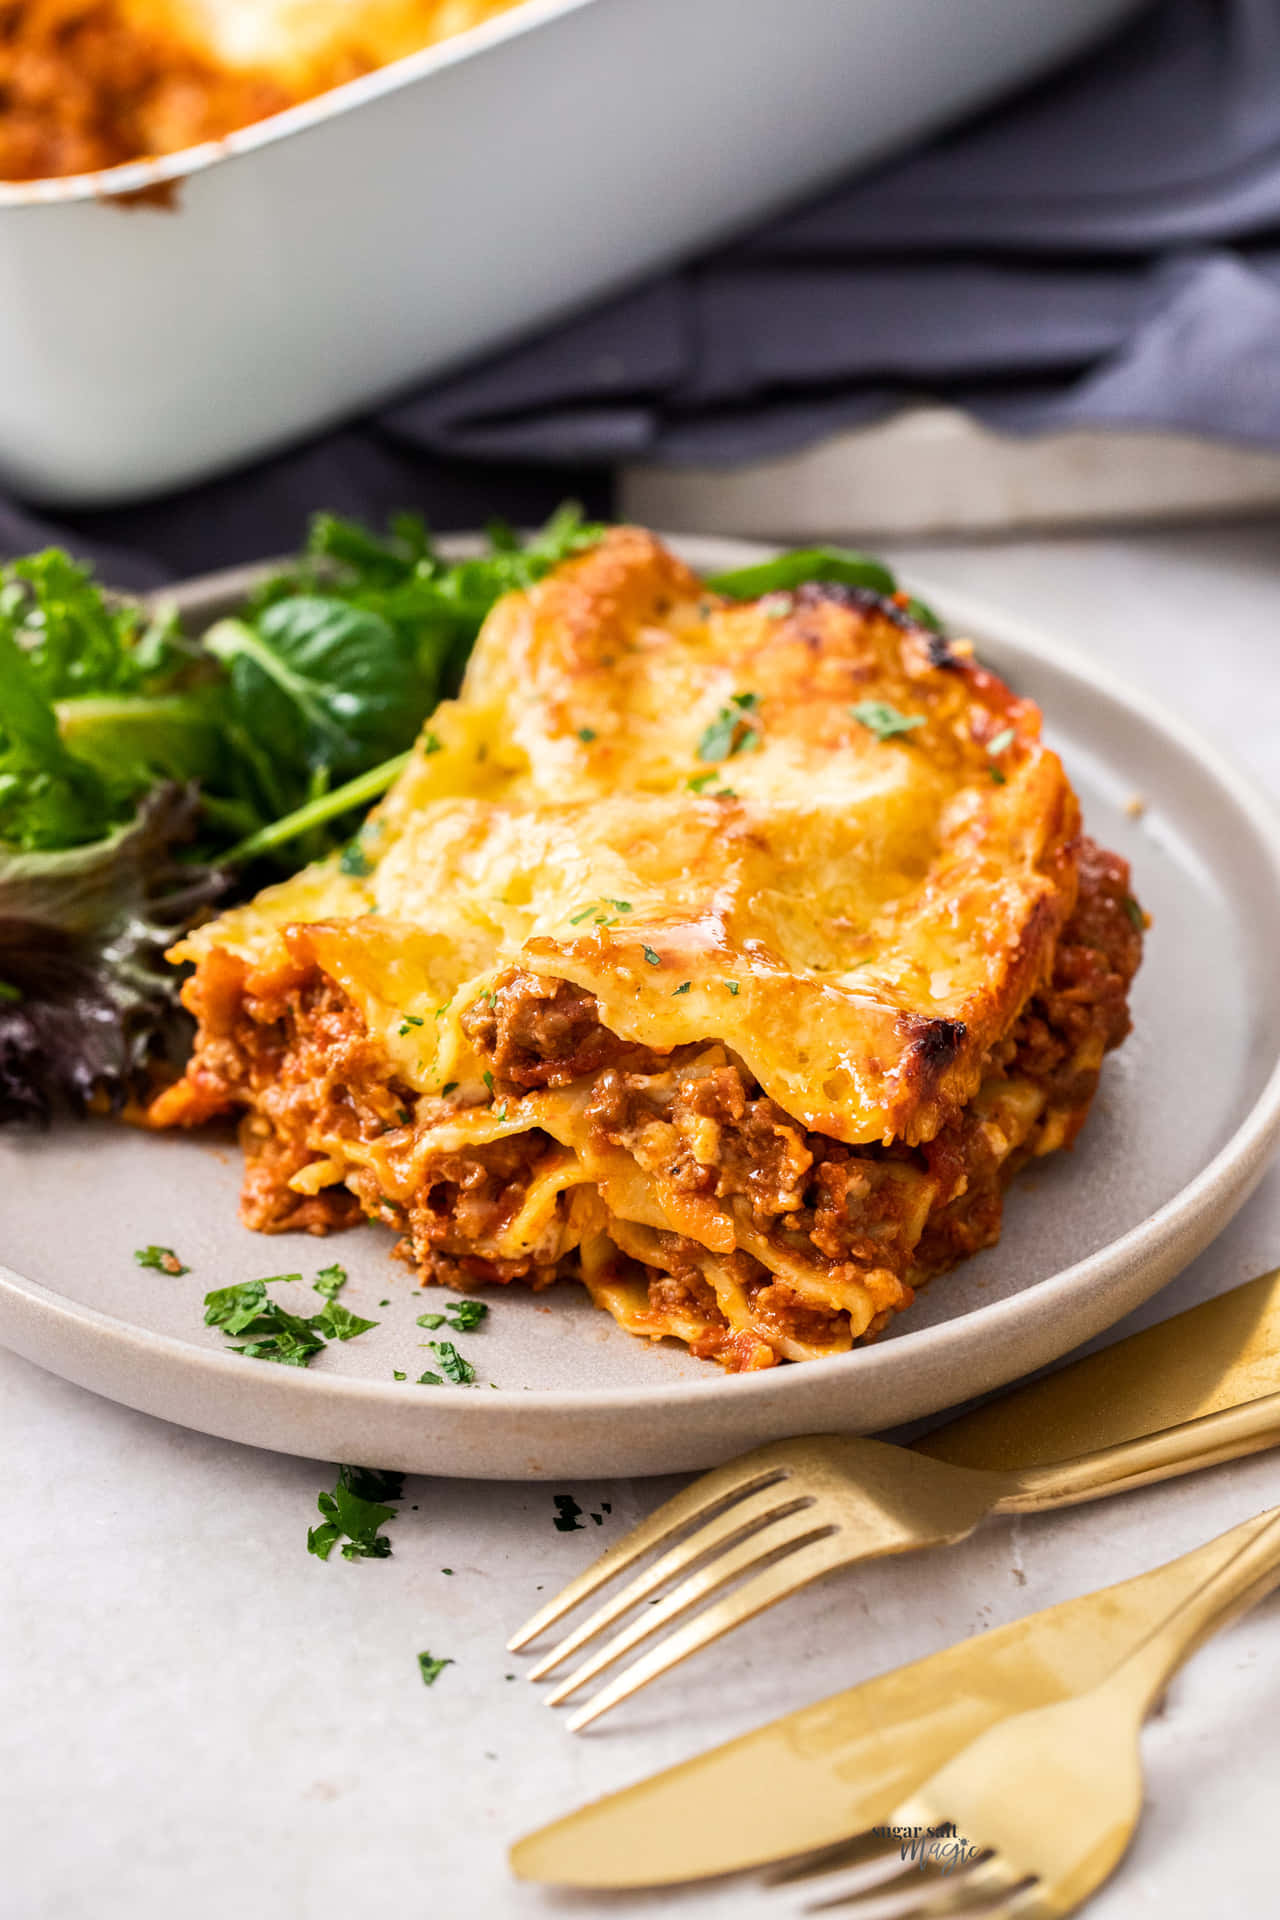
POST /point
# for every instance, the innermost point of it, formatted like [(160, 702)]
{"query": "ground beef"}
[(467, 1200), (536, 1032)]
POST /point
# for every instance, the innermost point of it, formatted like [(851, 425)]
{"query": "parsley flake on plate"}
[(586, 735), (464, 1316), (355, 861), (330, 1281), (274, 1333), (337, 1322), (451, 1363), (162, 1259), (654, 959), (682, 988), (431, 1668), (884, 720), (467, 1315)]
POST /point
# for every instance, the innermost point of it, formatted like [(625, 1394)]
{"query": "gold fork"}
[(790, 1512), (1038, 1810)]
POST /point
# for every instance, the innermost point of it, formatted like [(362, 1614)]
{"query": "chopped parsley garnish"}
[(500, 1113), (355, 1508), (731, 732), (235, 1308), (397, 1375), (337, 1322), (568, 1513), (698, 782), (354, 860), (429, 1380), (467, 1315), (431, 1668), (330, 1281), (430, 744), (733, 986), (576, 919), (162, 1259), (883, 720), (410, 1020), (450, 1086), (654, 959), (487, 1077), (1135, 913), (586, 735), (274, 1333), (1002, 740), (461, 1316), (451, 1363), (997, 778), (619, 906), (682, 988)]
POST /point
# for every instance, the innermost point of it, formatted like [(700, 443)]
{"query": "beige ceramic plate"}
[(1186, 1117)]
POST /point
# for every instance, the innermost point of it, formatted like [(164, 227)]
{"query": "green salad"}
[(149, 773)]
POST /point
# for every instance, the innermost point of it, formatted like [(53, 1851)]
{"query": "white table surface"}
[(200, 1720)]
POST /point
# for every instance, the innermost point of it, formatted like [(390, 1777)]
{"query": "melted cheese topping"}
[(306, 41), (671, 801)]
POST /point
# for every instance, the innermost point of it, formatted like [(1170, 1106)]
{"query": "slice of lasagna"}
[(728, 958)]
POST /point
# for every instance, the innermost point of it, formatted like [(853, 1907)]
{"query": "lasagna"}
[(86, 84), (727, 958)]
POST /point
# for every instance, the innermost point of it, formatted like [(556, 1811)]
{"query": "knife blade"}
[(1220, 1354), (834, 1769)]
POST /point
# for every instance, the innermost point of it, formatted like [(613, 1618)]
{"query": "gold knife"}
[(1220, 1354), (815, 1777)]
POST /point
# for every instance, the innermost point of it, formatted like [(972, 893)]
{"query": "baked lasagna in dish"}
[(728, 958), (86, 84)]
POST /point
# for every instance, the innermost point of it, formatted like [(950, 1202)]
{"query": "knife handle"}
[(1238, 1584), (1228, 1434)]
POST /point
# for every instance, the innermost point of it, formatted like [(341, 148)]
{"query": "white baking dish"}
[(319, 261)]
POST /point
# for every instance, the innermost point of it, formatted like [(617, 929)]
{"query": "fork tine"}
[(986, 1888), (749, 1518), (700, 1501), (785, 1577), (762, 1545), (864, 1862)]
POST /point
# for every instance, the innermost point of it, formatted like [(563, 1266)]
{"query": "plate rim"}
[(1212, 1194)]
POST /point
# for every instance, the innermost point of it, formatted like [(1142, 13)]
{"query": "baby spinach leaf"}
[(326, 686), (841, 564)]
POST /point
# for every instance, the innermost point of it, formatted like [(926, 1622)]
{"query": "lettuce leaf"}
[(87, 1002)]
